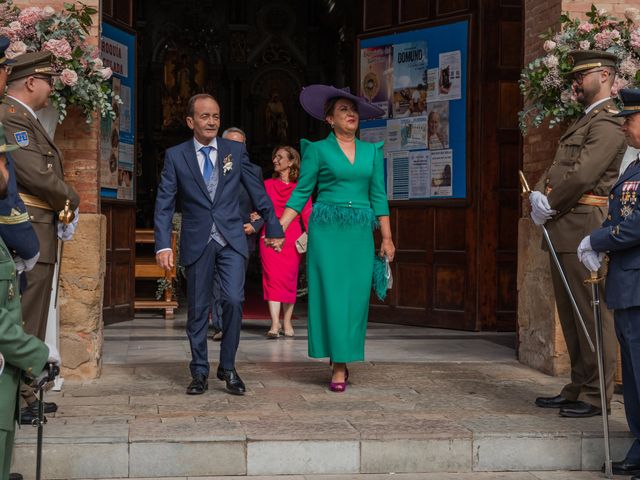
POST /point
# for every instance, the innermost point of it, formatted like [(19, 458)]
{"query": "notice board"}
[(419, 78)]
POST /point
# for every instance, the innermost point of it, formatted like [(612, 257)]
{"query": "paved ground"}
[(425, 401)]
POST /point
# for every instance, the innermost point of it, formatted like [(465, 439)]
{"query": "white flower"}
[(549, 45), (585, 45), (97, 64), (48, 11), (602, 12), (551, 61), (15, 49)]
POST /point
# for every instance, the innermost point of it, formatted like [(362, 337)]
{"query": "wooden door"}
[(456, 260), (119, 282)]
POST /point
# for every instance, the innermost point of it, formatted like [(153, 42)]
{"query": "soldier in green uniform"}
[(571, 200), (40, 178), (22, 353)]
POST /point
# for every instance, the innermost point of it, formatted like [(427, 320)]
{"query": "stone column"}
[(83, 261), (541, 343)]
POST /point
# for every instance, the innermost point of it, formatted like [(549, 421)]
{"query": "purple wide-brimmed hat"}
[(313, 98)]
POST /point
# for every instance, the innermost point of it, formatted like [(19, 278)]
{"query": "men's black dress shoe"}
[(624, 467), (580, 410), (29, 413), (235, 385), (198, 385), (552, 402), (15, 476)]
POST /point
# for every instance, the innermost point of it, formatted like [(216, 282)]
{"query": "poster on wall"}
[(117, 135), (425, 121)]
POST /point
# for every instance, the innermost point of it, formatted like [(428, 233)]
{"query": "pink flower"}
[(629, 66), (13, 31), (48, 12), (634, 39), (618, 84), (30, 15), (59, 48), (15, 49), (106, 73), (69, 77), (549, 45), (585, 27), (97, 64), (585, 45), (604, 40)]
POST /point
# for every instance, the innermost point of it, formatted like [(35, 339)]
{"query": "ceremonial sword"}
[(526, 191), (595, 293)]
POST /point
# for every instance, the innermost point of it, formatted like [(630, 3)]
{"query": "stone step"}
[(176, 449)]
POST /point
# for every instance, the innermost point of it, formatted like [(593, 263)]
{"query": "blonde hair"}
[(294, 157)]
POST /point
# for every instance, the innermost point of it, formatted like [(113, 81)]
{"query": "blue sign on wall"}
[(419, 78), (117, 142)]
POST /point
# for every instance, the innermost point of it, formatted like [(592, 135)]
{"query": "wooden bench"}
[(146, 269)]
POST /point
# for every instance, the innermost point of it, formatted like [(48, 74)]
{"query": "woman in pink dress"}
[(280, 269)]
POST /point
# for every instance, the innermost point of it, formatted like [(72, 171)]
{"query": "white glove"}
[(592, 260), (585, 246), (540, 209), (1, 364), (25, 265), (54, 356), (538, 218), (66, 231)]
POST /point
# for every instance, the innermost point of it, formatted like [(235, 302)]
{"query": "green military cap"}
[(4, 147), (588, 59), (32, 63)]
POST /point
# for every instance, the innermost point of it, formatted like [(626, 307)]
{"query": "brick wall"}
[(78, 141)]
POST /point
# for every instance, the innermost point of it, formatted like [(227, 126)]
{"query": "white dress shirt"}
[(213, 154)]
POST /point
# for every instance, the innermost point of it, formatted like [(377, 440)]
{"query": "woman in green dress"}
[(351, 202)]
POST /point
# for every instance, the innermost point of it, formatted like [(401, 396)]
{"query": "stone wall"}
[(83, 267)]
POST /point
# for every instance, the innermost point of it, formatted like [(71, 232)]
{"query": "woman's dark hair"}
[(294, 156), (330, 105)]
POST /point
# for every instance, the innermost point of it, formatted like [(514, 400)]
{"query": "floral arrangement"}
[(544, 82), (83, 80)]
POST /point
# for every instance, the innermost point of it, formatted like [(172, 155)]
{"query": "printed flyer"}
[(420, 174), (449, 79), (376, 72), (409, 79), (441, 172)]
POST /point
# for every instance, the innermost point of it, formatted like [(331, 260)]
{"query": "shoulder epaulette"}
[(611, 110)]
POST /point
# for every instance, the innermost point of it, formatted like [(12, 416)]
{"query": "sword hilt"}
[(593, 278), (524, 185), (66, 215)]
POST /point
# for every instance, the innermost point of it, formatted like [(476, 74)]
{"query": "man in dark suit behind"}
[(252, 224), (205, 174)]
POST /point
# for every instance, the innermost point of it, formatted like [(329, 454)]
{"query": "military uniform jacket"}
[(620, 237), (38, 166), (587, 161), (22, 352)]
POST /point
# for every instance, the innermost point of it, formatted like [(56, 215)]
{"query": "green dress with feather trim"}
[(340, 246)]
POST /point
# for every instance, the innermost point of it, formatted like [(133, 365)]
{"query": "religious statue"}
[(276, 119)]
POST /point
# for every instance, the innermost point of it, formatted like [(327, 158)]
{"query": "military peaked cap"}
[(32, 63), (631, 99), (588, 59)]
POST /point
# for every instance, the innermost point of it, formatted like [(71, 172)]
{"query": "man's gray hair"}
[(234, 130)]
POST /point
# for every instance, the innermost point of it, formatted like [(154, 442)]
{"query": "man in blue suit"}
[(619, 237), (205, 174)]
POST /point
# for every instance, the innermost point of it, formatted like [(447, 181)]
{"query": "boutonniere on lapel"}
[(227, 164)]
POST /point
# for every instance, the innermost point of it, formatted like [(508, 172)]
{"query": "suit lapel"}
[(222, 152), (191, 160)]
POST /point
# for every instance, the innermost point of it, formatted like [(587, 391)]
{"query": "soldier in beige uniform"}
[(571, 201), (40, 178)]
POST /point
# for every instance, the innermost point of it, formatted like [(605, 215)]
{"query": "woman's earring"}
[(331, 125)]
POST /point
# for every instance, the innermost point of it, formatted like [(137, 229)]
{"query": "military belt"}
[(588, 199), (33, 201), (593, 200)]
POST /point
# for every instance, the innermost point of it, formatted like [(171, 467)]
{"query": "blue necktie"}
[(208, 165)]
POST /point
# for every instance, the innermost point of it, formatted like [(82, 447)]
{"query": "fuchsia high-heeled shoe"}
[(340, 387)]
